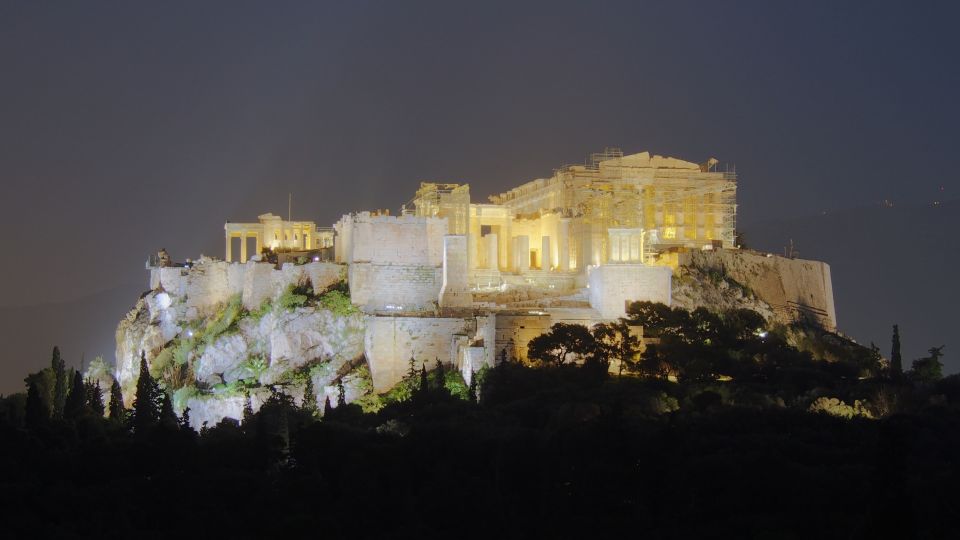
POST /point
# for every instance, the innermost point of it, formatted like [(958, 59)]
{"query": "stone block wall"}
[(210, 283), (390, 342), (378, 287), (613, 285), (402, 240)]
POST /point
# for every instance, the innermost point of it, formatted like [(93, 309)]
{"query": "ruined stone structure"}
[(464, 282), (274, 232)]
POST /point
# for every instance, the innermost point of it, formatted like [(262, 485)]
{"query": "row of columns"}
[(243, 236)]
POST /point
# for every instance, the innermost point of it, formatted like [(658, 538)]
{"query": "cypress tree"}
[(896, 361), (441, 376), (341, 394), (422, 391), (117, 412), (77, 399), (36, 411), (472, 389), (146, 409), (95, 399), (327, 407), (185, 419), (60, 384), (168, 419), (309, 398)]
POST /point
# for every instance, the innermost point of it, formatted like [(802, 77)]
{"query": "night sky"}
[(126, 127)]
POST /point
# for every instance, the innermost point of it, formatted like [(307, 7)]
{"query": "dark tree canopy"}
[(563, 340)]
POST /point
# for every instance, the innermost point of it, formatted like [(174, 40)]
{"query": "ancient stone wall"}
[(390, 342), (613, 285), (403, 240), (208, 284), (377, 287)]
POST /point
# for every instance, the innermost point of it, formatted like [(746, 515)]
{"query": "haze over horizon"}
[(127, 128)]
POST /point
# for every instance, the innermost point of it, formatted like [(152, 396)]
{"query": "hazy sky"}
[(127, 126)]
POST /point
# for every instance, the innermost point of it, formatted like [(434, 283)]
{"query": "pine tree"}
[(36, 411), (168, 418), (117, 413), (95, 399), (341, 394), (412, 371), (309, 398), (60, 384), (77, 399), (146, 406), (896, 361)]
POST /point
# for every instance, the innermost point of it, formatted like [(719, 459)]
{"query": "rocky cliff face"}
[(214, 360)]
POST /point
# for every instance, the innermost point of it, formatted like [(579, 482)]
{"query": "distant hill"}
[(889, 265), (82, 326)]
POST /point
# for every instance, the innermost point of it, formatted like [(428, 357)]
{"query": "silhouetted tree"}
[(185, 419), (60, 384), (896, 361), (441, 377), (327, 407), (615, 340), (412, 371), (309, 398), (77, 399), (928, 369), (563, 339), (146, 402), (117, 412), (341, 394), (472, 389), (168, 418), (422, 390), (94, 399), (36, 412), (247, 411)]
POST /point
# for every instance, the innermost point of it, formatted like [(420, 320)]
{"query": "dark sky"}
[(125, 127)]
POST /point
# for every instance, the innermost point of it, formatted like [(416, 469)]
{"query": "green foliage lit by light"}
[(254, 366), (454, 383), (182, 395), (337, 302), (265, 307), (291, 299), (224, 320), (369, 400)]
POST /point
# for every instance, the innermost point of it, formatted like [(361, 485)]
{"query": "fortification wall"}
[(390, 342), (613, 285), (401, 240), (514, 330), (794, 288), (209, 283), (378, 287)]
